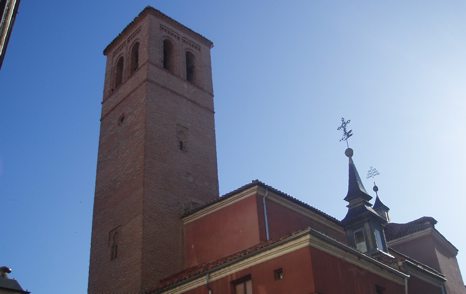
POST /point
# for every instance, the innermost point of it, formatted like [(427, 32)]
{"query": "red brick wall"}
[(144, 182), (334, 275), (430, 252), (222, 233), (450, 268)]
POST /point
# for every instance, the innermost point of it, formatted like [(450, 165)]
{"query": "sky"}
[(284, 74)]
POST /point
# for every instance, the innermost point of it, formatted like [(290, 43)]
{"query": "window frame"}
[(119, 72), (190, 66), (246, 282), (168, 55), (363, 242), (136, 45)]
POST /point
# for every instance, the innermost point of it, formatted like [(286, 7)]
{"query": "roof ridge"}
[(257, 182)]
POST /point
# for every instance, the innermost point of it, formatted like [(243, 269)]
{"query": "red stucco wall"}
[(222, 233), (284, 221)]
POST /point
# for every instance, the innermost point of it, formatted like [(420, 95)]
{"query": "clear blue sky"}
[(284, 73)]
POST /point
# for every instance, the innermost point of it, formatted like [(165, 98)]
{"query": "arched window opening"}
[(119, 72), (135, 58), (114, 246), (190, 68), (168, 55)]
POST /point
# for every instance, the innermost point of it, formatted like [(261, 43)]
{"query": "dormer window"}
[(360, 241), (378, 239)]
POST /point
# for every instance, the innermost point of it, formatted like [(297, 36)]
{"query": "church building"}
[(160, 226)]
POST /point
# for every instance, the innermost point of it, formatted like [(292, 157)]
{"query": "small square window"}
[(379, 289), (278, 274)]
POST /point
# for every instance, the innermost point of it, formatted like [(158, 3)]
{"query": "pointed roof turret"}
[(356, 190), (357, 196), (379, 207)]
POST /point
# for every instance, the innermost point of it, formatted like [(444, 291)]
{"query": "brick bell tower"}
[(157, 154)]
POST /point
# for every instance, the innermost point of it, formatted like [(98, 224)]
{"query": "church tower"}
[(157, 153)]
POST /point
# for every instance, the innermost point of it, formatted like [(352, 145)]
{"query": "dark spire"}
[(379, 207), (356, 191)]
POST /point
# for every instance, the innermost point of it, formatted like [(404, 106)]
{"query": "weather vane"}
[(371, 174), (346, 134)]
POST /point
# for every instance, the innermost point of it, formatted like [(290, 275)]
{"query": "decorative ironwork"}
[(372, 173), (346, 133)]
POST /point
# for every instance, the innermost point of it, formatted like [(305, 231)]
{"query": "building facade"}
[(159, 225)]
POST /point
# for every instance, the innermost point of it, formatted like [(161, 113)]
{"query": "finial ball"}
[(349, 152), (375, 188)]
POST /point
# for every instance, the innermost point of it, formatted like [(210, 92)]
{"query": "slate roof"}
[(355, 187), (270, 188), (378, 205), (360, 212), (11, 285)]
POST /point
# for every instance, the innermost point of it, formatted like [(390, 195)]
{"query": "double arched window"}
[(133, 66), (168, 61)]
